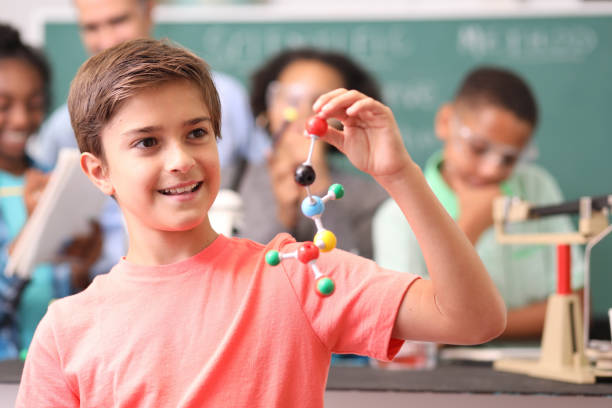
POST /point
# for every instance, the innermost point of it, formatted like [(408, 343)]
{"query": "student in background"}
[(24, 82), (485, 131), (105, 23), (192, 318), (290, 82)]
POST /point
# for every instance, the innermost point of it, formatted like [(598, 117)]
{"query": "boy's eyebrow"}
[(195, 121), (153, 129), (146, 129)]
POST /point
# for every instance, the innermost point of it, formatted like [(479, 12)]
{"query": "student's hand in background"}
[(35, 183), (82, 253), (475, 207), (370, 139)]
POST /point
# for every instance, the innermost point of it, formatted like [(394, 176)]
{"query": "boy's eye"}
[(479, 148), (146, 142), (118, 20), (508, 160), (197, 133)]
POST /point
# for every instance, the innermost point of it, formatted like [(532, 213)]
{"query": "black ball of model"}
[(304, 175)]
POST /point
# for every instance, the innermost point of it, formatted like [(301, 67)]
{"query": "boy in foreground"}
[(190, 318)]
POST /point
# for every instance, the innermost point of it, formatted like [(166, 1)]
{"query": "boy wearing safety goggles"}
[(486, 132)]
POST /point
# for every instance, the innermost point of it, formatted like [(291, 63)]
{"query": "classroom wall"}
[(24, 15), (27, 15)]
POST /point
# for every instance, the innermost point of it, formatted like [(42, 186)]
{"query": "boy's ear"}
[(443, 122), (95, 170)]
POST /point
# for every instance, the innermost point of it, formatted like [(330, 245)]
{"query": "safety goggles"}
[(495, 153)]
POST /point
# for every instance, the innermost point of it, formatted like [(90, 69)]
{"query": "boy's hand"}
[(35, 183), (475, 208), (370, 139)]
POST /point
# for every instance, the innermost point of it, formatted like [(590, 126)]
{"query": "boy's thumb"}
[(335, 138)]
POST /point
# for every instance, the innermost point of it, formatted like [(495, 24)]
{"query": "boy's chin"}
[(186, 226)]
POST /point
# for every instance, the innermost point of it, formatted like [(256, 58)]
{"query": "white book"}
[(66, 206)]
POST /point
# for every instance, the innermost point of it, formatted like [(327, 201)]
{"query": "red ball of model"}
[(316, 126), (307, 252)]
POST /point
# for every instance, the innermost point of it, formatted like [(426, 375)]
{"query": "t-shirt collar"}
[(194, 263)]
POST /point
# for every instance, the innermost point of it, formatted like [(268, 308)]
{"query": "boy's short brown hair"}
[(111, 77), (497, 86)]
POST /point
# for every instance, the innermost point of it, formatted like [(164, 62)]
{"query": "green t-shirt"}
[(523, 274)]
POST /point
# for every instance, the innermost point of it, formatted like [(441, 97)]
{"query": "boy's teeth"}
[(180, 190)]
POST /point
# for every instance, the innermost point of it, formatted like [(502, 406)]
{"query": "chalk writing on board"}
[(410, 95), (231, 46), (558, 43), (419, 140)]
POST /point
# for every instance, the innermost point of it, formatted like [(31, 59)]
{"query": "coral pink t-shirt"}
[(220, 329)]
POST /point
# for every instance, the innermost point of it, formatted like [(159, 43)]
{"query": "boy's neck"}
[(151, 247)]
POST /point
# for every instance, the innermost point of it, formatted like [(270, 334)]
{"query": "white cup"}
[(226, 212)]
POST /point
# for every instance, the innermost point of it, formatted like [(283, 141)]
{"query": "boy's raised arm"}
[(460, 305)]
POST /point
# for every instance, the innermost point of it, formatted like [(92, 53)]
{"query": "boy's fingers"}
[(335, 138), (368, 105), (336, 107), (325, 98)]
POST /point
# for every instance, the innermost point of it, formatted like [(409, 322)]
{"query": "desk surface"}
[(446, 378), (10, 371), (455, 378)]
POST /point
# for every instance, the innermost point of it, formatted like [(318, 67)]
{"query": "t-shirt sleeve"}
[(43, 383), (359, 317)]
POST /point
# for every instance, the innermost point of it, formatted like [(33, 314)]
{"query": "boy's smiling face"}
[(160, 158)]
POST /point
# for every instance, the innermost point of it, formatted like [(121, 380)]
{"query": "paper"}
[(66, 206), (489, 353)]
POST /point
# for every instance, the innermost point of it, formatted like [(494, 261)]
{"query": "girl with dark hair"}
[(283, 91), (24, 83)]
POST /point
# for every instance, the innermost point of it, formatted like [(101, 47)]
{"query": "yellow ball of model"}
[(325, 240)]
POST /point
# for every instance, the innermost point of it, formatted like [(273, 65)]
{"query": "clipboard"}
[(66, 206)]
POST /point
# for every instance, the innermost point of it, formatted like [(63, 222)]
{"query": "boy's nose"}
[(491, 167), (179, 160)]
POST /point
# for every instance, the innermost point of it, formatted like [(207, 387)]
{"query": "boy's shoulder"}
[(106, 284), (534, 183), (532, 170), (107, 291), (279, 241)]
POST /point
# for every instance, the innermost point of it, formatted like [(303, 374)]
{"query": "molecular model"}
[(313, 208)]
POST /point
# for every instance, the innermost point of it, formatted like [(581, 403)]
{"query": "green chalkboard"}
[(567, 60)]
